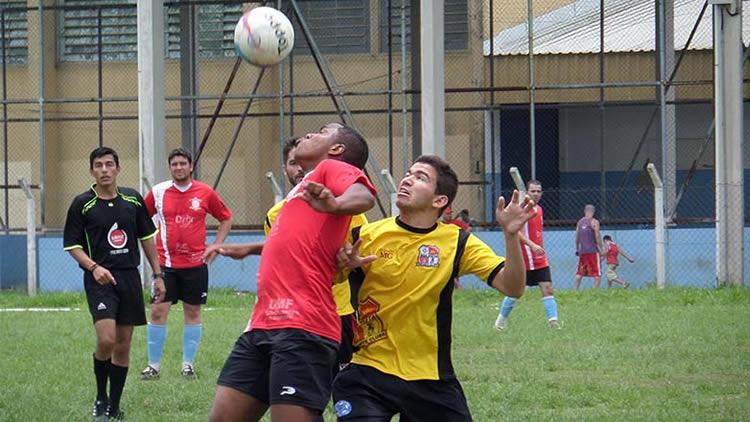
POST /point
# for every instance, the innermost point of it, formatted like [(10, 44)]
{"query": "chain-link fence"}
[(593, 83)]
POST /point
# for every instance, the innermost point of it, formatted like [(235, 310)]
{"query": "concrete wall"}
[(690, 257)]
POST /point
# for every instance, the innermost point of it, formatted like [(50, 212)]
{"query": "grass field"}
[(622, 355)]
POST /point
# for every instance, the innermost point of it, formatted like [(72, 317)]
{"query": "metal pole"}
[(389, 120), (238, 129), (31, 279), (404, 98), (42, 128), (5, 120), (416, 78), (493, 163), (281, 99), (219, 105), (532, 95), (602, 117), (728, 95), (432, 34), (660, 226), (99, 73)]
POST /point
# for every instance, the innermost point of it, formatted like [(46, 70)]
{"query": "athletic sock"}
[(157, 335), (117, 377), (507, 306), (550, 307), (191, 338), (101, 372)]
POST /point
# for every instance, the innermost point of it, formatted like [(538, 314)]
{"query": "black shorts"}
[(122, 302), (534, 277), (346, 348), (189, 285), (287, 366), (362, 393)]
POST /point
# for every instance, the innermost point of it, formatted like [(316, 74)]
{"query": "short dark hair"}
[(356, 151), (101, 152), (447, 181), (180, 152), (533, 182), (607, 237), (289, 145)]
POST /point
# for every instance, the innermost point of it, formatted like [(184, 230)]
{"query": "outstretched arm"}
[(221, 235), (355, 200), (233, 250), (628, 257)]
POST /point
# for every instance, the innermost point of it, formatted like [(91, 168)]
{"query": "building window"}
[(80, 29), (456, 25), (216, 30), (16, 40), (337, 26)]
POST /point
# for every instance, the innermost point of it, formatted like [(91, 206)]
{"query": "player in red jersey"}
[(180, 206), (535, 259), (286, 355)]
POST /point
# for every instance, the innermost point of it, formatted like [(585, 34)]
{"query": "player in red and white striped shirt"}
[(535, 259), (179, 207)]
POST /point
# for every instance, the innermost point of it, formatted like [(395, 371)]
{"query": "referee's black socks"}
[(117, 376), (101, 371)]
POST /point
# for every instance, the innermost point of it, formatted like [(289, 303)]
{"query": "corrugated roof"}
[(629, 25)]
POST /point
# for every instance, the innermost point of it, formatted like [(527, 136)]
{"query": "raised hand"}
[(319, 197), (348, 256), (513, 216)]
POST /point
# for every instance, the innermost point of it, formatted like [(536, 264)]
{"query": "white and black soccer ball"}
[(263, 36)]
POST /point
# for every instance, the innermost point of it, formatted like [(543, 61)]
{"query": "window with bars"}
[(80, 30), (16, 35), (456, 25), (337, 26), (216, 28)]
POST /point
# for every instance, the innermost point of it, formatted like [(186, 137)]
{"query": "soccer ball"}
[(263, 36)]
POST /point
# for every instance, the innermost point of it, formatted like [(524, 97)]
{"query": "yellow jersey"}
[(405, 295), (341, 290)]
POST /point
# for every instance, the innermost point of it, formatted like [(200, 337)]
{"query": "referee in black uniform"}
[(101, 229)]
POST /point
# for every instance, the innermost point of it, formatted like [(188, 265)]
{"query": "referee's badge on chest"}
[(429, 256)]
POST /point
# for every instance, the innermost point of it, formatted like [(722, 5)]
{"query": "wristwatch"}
[(154, 276)]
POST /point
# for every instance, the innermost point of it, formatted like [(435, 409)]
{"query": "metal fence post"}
[(390, 187), (31, 281), (660, 227)]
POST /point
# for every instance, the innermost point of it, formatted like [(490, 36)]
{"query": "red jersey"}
[(460, 223), (299, 259), (533, 230), (181, 219), (612, 251)]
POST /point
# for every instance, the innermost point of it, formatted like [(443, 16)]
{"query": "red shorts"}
[(588, 265)]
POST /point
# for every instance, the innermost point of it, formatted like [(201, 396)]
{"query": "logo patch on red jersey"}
[(117, 237), (429, 256), (195, 204)]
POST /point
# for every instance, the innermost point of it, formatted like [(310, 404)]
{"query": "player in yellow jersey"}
[(403, 281)]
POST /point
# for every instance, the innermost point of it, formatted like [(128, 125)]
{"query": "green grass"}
[(676, 354)]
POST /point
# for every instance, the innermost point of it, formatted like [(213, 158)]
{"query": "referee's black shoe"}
[(99, 413), (115, 415)]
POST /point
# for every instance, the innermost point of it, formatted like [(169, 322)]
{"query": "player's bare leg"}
[(105, 338), (231, 405), (578, 281), (293, 413), (597, 282)]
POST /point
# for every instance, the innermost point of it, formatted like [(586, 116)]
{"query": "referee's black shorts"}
[(363, 393), (122, 302)]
